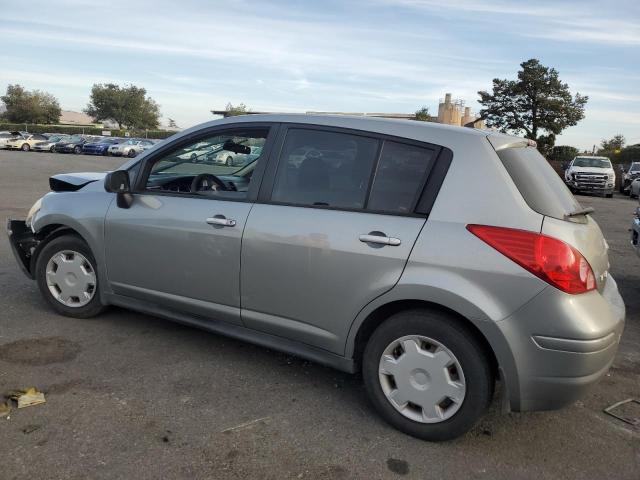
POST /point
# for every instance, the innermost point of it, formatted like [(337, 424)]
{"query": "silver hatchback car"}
[(435, 260)]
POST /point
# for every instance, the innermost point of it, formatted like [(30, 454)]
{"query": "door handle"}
[(380, 239), (221, 220)]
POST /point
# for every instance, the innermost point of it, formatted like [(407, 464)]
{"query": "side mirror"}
[(118, 182)]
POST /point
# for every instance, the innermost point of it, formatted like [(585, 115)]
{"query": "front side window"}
[(218, 165), (324, 168)]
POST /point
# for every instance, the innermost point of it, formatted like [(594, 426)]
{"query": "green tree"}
[(23, 106), (422, 115), (172, 123), (234, 110), (616, 143), (127, 106), (538, 101), (563, 153)]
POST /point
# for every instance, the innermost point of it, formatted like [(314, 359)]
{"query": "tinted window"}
[(400, 175), (540, 186), (324, 169)]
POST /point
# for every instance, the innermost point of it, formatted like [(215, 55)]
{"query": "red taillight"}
[(551, 259)]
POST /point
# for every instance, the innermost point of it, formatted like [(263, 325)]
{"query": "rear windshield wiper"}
[(580, 211)]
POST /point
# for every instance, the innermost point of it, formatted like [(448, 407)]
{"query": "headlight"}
[(32, 212)]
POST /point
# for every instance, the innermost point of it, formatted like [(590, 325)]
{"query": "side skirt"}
[(238, 332)]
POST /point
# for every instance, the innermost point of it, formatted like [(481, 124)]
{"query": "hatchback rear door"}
[(545, 192), (331, 231)]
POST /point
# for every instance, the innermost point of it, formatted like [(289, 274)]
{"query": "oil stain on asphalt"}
[(40, 351)]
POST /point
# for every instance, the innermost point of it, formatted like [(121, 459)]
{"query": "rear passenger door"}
[(333, 227)]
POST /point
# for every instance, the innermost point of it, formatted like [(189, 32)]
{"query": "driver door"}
[(178, 245)]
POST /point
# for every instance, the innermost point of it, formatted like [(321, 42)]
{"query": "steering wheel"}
[(207, 181)]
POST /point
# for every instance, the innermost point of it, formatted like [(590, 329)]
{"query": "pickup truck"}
[(591, 174)]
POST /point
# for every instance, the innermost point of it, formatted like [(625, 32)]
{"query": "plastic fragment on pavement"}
[(28, 397), (5, 409)]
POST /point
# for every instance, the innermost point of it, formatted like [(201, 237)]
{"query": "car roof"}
[(431, 132)]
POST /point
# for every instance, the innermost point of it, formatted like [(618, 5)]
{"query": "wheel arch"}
[(381, 313), (48, 233)]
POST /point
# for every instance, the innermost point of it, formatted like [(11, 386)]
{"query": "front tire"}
[(77, 149), (26, 147), (427, 375), (67, 277), (131, 153)]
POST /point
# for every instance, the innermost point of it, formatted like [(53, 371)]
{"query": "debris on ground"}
[(5, 409), (242, 426), (28, 397), (627, 411)]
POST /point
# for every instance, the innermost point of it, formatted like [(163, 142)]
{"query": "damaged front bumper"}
[(23, 243)]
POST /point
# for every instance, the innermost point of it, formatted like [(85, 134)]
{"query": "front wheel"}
[(26, 147), (131, 153), (427, 375), (67, 277), (77, 149)]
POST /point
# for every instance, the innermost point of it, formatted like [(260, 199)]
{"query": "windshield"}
[(635, 167), (73, 139), (593, 162), (55, 138), (109, 140)]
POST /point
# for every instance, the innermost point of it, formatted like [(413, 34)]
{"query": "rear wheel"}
[(131, 153), (67, 277), (427, 375), (228, 162), (52, 149), (77, 149), (26, 147)]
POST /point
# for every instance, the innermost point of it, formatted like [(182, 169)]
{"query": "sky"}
[(396, 56)]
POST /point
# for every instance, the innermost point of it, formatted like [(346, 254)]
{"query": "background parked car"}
[(591, 174), (629, 176), (25, 142), (232, 159), (72, 144), (101, 147), (6, 136), (130, 148), (48, 144)]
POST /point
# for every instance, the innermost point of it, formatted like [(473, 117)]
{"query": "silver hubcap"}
[(71, 278), (422, 379)]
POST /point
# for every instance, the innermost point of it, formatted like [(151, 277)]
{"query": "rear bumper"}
[(561, 345), (23, 244)]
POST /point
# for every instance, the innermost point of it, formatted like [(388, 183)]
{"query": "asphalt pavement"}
[(133, 396)]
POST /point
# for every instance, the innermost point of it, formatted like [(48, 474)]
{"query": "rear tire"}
[(74, 248), (77, 149), (450, 344), (26, 147)]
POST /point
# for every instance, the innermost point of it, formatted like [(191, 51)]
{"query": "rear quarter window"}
[(540, 185)]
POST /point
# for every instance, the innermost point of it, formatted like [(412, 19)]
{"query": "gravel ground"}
[(132, 396)]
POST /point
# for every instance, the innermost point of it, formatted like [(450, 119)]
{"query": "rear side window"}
[(540, 186), (324, 168), (401, 173)]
